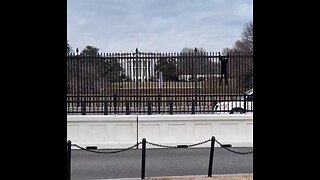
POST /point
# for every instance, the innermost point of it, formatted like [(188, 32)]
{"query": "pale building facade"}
[(141, 69)]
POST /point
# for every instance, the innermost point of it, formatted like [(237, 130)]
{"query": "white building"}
[(141, 69)]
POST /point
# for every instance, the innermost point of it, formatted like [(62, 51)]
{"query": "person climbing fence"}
[(224, 68)]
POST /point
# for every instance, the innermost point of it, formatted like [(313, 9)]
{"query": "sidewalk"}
[(214, 177)]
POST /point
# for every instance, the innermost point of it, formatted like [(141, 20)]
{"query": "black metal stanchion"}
[(143, 163), (211, 156), (69, 160)]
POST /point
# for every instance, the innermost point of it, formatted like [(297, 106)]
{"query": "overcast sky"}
[(156, 25)]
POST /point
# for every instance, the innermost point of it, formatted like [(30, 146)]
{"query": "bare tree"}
[(241, 64), (245, 44), (194, 62)]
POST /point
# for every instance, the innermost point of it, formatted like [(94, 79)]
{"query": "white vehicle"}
[(242, 105), (185, 77)]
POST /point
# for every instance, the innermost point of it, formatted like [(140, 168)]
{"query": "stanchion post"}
[(68, 160), (211, 156), (143, 162)]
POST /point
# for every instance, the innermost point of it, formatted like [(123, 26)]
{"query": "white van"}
[(242, 105)]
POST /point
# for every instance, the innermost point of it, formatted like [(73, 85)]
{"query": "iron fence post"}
[(137, 77), (115, 103), (171, 106), (127, 107), (105, 112), (245, 103), (159, 103), (211, 156), (78, 84), (193, 107), (83, 108), (149, 107)]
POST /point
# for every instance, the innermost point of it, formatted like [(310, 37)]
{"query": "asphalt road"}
[(159, 162)]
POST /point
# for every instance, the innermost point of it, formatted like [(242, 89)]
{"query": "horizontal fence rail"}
[(149, 83), (155, 104)]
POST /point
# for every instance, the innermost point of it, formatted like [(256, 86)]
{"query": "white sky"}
[(156, 25)]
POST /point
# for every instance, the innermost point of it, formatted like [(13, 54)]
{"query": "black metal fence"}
[(151, 83)]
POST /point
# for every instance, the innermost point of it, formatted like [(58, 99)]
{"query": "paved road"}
[(159, 162)]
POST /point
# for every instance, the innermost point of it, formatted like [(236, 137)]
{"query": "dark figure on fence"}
[(224, 68)]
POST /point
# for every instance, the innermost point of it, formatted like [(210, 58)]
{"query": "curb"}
[(248, 176)]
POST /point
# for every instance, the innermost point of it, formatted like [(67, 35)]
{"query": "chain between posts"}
[(159, 145), (106, 152), (197, 144), (233, 150), (171, 147)]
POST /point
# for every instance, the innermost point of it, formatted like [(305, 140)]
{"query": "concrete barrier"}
[(122, 131), (102, 131)]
